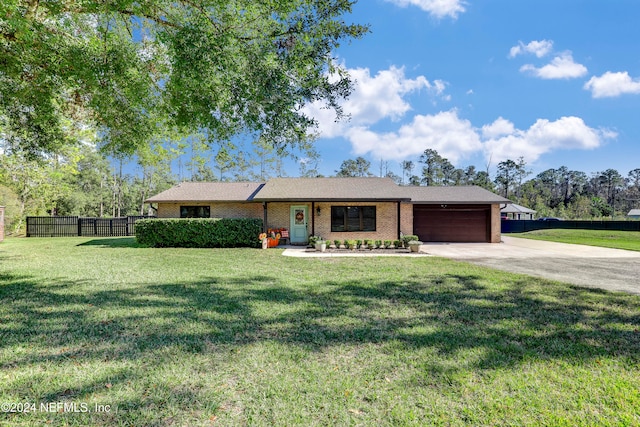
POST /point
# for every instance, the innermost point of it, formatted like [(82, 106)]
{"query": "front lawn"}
[(192, 337), (629, 240)]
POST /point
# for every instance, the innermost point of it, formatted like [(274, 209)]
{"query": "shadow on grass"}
[(448, 314), (113, 242), (564, 322)]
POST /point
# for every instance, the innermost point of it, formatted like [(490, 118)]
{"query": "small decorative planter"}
[(414, 245), (320, 245), (272, 243)]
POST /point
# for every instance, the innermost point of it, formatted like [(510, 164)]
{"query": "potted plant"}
[(337, 243), (321, 245), (387, 244), (313, 240), (408, 238), (414, 245)]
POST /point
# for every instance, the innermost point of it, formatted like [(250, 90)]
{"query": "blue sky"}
[(481, 81)]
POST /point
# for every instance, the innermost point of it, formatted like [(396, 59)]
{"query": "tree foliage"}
[(438, 170), (131, 68), (357, 167), (558, 192)]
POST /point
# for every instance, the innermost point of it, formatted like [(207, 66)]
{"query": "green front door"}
[(299, 225)]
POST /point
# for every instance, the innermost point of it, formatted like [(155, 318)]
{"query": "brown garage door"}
[(460, 223)]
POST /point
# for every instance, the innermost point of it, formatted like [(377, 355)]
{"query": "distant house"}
[(513, 211), (634, 214), (343, 208)]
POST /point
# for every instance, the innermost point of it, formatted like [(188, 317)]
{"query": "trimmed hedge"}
[(199, 232)]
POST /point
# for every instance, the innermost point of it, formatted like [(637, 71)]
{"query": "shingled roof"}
[(513, 208), (323, 189), (452, 195), (330, 189), (208, 192)]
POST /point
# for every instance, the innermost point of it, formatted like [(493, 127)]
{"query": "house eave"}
[(200, 201), (331, 199), (457, 202)]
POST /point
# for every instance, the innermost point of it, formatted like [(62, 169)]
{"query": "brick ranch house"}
[(343, 208)]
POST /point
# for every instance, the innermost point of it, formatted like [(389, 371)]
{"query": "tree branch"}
[(32, 8), (203, 11), (155, 19)]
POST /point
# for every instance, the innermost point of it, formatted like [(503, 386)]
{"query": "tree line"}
[(82, 181), (560, 192)]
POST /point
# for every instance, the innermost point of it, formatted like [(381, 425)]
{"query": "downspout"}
[(399, 231), (313, 218), (264, 217)]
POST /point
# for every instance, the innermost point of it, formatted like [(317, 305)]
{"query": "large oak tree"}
[(131, 68)]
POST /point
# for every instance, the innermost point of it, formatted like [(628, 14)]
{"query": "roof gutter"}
[(330, 199)]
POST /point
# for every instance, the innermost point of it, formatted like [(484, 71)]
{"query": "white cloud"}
[(383, 97), (498, 128), (456, 138), (453, 137), (544, 136), (437, 8), (612, 84), (374, 98), (539, 48), (561, 67)]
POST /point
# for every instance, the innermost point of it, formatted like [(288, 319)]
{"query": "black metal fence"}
[(73, 226), (522, 226)]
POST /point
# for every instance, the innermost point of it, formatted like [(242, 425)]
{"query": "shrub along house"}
[(343, 208)]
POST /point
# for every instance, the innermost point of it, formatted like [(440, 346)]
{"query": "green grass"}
[(191, 337), (629, 240)]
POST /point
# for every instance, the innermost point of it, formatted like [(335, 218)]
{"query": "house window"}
[(353, 218), (195, 212)]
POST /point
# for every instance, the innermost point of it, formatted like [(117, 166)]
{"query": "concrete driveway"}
[(610, 269)]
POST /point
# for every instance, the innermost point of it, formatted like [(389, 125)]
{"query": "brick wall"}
[(406, 218), (386, 222), (218, 210), (496, 224), (279, 216)]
